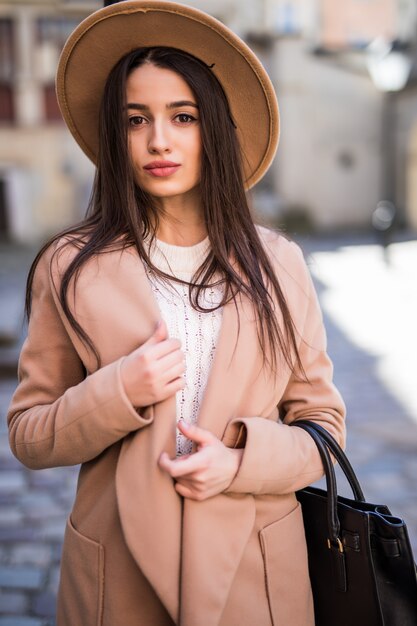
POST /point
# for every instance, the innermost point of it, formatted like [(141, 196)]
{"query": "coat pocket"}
[(81, 587), (285, 558)]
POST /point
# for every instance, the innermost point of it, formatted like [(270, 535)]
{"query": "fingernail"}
[(184, 424)]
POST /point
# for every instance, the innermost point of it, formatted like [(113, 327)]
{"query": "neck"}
[(181, 220)]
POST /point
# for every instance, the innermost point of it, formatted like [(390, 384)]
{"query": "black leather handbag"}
[(361, 564)]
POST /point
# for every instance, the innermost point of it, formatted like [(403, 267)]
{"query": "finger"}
[(183, 490), (182, 467), (176, 357), (159, 334), (195, 433), (188, 481), (173, 373), (172, 388), (186, 492), (160, 350)]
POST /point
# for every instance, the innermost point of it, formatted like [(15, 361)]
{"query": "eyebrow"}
[(172, 105)]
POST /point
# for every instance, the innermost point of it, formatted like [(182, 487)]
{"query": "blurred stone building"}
[(331, 163), (44, 178), (338, 140)]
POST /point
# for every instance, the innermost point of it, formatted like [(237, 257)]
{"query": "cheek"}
[(136, 146), (135, 151)]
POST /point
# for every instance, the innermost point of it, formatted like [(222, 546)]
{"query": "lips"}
[(160, 164), (161, 168)]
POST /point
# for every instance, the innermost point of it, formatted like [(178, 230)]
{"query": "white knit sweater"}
[(198, 332)]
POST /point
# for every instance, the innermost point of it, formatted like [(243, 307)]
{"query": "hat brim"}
[(107, 35)]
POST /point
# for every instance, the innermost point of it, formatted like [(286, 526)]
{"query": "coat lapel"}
[(190, 551), (149, 507)]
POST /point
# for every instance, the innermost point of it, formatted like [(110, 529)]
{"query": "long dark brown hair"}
[(122, 214)]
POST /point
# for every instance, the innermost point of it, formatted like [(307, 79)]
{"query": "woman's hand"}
[(154, 371), (207, 472)]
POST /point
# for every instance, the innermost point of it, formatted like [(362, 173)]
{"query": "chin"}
[(163, 190)]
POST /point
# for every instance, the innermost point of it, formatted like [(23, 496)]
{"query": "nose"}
[(159, 141)]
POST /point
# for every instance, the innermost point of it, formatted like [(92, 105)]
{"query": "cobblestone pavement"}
[(382, 416), (33, 509)]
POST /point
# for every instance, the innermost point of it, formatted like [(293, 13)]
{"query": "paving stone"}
[(49, 478), (53, 582), (40, 499), (66, 495), (56, 551), (21, 621), (13, 534), (12, 481), (21, 577), (13, 602), (40, 505), (44, 604), (4, 554), (8, 461), (5, 449), (52, 530), (40, 516), (10, 515), (31, 554)]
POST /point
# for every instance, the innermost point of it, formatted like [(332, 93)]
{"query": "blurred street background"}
[(343, 185)]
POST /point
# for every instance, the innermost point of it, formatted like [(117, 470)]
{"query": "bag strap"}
[(334, 543), (333, 523), (338, 454)]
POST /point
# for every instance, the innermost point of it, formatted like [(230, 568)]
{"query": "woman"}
[(167, 302)]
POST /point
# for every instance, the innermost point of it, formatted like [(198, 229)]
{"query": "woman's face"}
[(164, 131)]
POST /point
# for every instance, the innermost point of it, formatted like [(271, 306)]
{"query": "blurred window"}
[(3, 209), (6, 70), (52, 32), (50, 104)]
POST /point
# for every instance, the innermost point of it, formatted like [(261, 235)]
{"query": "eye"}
[(136, 120), (185, 118)]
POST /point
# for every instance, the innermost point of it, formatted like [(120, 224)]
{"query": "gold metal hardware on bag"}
[(339, 544)]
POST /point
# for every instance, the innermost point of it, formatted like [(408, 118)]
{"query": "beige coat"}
[(135, 552)]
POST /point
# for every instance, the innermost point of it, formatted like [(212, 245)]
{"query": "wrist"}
[(124, 375), (237, 457)]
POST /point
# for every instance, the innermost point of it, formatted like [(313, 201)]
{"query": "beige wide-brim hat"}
[(107, 35)]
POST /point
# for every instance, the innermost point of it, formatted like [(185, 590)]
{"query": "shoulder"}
[(53, 259), (295, 280), (286, 257), (280, 246), (72, 252)]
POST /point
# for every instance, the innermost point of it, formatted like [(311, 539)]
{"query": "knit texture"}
[(197, 331)]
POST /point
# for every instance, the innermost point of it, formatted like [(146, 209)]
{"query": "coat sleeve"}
[(277, 457), (57, 415)]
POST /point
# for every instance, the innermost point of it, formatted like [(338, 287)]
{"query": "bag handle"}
[(338, 454), (333, 523), (334, 542)]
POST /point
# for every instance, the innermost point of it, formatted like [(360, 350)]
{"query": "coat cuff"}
[(142, 416), (277, 458), (78, 426), (100, 405)]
